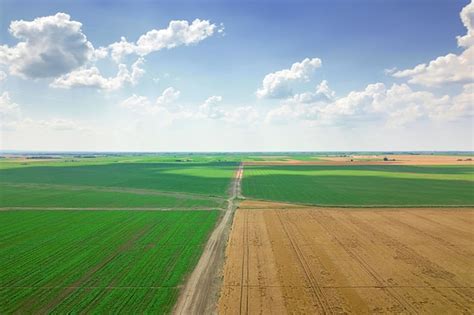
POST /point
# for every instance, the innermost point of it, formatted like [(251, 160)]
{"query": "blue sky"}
[(350, 45)]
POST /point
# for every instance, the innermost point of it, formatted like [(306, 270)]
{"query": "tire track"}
[(366, 266), (318, 294)]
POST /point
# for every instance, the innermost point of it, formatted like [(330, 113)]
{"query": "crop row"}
[(364, 186), (84, 260)]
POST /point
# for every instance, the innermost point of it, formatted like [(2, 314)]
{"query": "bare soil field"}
[(378, 160), (335, 260)]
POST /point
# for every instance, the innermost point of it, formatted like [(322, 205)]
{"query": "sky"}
[(343, 75)]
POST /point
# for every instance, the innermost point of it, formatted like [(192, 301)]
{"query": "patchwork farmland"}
[(94, 235), (333, 236), (237, 234)]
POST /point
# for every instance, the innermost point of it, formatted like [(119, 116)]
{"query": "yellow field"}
[(284, 259)]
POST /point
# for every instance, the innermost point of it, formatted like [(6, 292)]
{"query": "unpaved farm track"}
[(329, 260), (199, 296)]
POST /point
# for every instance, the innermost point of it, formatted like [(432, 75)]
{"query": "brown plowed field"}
[(330, 260), (377, 160)]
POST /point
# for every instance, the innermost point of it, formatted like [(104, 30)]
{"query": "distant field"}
[(97, 261), (111, 185), (199, 178), (361, 185)]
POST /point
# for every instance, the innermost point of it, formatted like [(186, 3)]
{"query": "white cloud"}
[(460, 106), (211, 108), (48, 46), (3, 76), (276, 84), (323, 93), (395, 106), (176, 34), (168, 96), (450, 68), (92, 78), (467, 18), (136, 103), (142, 105), (10, 112), (390, 70)]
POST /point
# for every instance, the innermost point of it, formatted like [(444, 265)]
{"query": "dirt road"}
[(200, 294)]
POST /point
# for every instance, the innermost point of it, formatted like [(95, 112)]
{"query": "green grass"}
[(97, 261), (361, 185)]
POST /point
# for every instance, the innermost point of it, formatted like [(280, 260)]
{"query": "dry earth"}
[(201, 291), (328, 260), (378, 160)]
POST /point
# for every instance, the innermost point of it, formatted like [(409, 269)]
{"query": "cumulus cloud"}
[(142, 105), (323, 93), (241, 115), (92, 78), (3, 76), (48, 46), (168, 96), (55, 47), (211, 107), (460, 106), (451, 68), (176, 34), (396, 106), (276, 84), (467, 18)]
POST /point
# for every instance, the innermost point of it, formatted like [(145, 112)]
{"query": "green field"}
[(97, 261), (361, 185), (200, 178), (86, 197), (102, 183)]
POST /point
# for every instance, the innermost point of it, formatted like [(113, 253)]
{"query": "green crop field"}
[(97, 261), (23, 195), (199, 178), (110, 183), (361, 185)]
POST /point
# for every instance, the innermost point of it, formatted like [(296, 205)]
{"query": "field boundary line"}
[(106, 209), (247, 285), (354, 286), (352, 206)]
